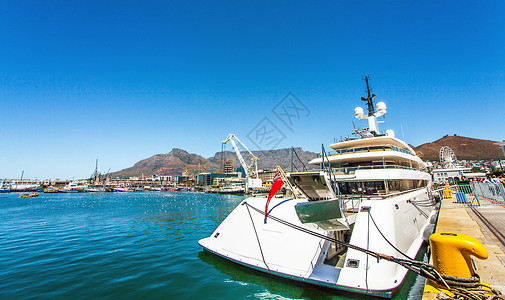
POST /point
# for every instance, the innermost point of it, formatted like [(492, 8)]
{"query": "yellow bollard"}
[(447, 191), (451, 253)]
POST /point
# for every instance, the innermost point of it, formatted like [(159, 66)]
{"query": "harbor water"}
[(131, 246)]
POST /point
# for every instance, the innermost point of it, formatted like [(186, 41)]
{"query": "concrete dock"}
[(484, 223)]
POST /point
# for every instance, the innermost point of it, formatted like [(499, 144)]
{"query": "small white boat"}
[(94, 189), (371, 195), (122, 189)]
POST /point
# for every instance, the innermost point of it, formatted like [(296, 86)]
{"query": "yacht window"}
[(361, 188), (379, 187)]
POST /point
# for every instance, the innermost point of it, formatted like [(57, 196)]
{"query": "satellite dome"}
[(381, 107), (358, 112), (390, 133)]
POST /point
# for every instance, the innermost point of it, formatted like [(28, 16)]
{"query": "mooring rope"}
[(462, 287), (257, 238)]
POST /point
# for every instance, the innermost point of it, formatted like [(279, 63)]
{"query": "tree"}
[(476, 169)]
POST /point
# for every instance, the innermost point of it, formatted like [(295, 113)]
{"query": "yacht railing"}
[(366, 149), (348, 170), (359, 197), (333, 180)]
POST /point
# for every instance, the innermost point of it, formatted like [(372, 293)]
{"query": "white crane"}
[(251, 171)]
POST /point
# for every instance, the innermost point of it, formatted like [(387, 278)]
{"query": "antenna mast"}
[(371, 96)]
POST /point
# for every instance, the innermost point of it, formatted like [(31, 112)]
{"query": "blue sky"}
[(123, 80)]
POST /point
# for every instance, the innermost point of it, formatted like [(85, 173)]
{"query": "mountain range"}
[(176, 161)]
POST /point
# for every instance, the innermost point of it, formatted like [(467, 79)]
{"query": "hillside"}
[(465, 148), (164, 164), (269, 159)]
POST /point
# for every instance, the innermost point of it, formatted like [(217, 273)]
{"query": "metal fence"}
[(474, 194), (490, 192)]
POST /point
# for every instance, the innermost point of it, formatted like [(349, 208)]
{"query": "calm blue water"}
[(128, 245)]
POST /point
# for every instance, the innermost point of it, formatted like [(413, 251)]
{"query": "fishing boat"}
[(5, 186), (123, 189), (77, 186), (368, 200), (51, 189), (28, 195), (96, 189), (24, 185)]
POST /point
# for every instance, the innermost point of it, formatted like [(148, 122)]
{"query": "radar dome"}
[(390, 133), (381, 107), (358, 112)]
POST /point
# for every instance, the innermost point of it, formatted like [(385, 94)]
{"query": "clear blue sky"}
[(123, 80)]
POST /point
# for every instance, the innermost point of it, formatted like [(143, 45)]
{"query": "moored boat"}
[(94, 189), (51, 189), (370, 198), (123, 189), (5, 186), (28, 195)]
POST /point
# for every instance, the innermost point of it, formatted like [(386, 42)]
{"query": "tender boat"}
[(372, 194), (28, 195)]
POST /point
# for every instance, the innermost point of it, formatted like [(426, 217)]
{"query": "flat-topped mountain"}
[(164, 164), (175, 162)]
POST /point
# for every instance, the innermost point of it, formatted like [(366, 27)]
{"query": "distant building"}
[(455, 174), (228, 166), (267, 177), (179, 179), (208, 179)]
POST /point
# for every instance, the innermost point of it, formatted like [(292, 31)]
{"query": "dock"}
[(485, 222)]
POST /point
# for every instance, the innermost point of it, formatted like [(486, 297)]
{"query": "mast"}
[(371, 96), (373, 124)]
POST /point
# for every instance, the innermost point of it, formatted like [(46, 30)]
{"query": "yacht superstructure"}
[(371, 194)]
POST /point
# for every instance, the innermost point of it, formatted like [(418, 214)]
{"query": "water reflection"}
[(274, 285), (412, 287)]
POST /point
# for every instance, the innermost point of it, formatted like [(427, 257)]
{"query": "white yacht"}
[(371, 195)]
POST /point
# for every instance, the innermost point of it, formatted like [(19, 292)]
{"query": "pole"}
[(292, 149)]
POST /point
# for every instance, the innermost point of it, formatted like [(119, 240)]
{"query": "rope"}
[(398, 250), (462, 287), (419, 210), (257, 238), (296, 154)]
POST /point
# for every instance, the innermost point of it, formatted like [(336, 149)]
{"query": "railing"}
[(473, 194), (353, 169), (333, 181), (378, 196), (366, 149), (490, 192), (348, 170)]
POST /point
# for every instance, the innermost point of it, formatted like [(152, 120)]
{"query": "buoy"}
[(447, 191), (451, 253)]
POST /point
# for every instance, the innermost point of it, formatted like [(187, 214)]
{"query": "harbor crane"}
[(251, 171)]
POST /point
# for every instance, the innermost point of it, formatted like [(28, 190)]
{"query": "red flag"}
[(276, 186)]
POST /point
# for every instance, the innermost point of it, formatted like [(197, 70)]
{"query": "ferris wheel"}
[(447, 157)]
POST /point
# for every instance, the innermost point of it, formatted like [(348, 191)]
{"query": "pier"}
[(484, 219)]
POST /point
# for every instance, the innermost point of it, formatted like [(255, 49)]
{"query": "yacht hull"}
[(288, 252)]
